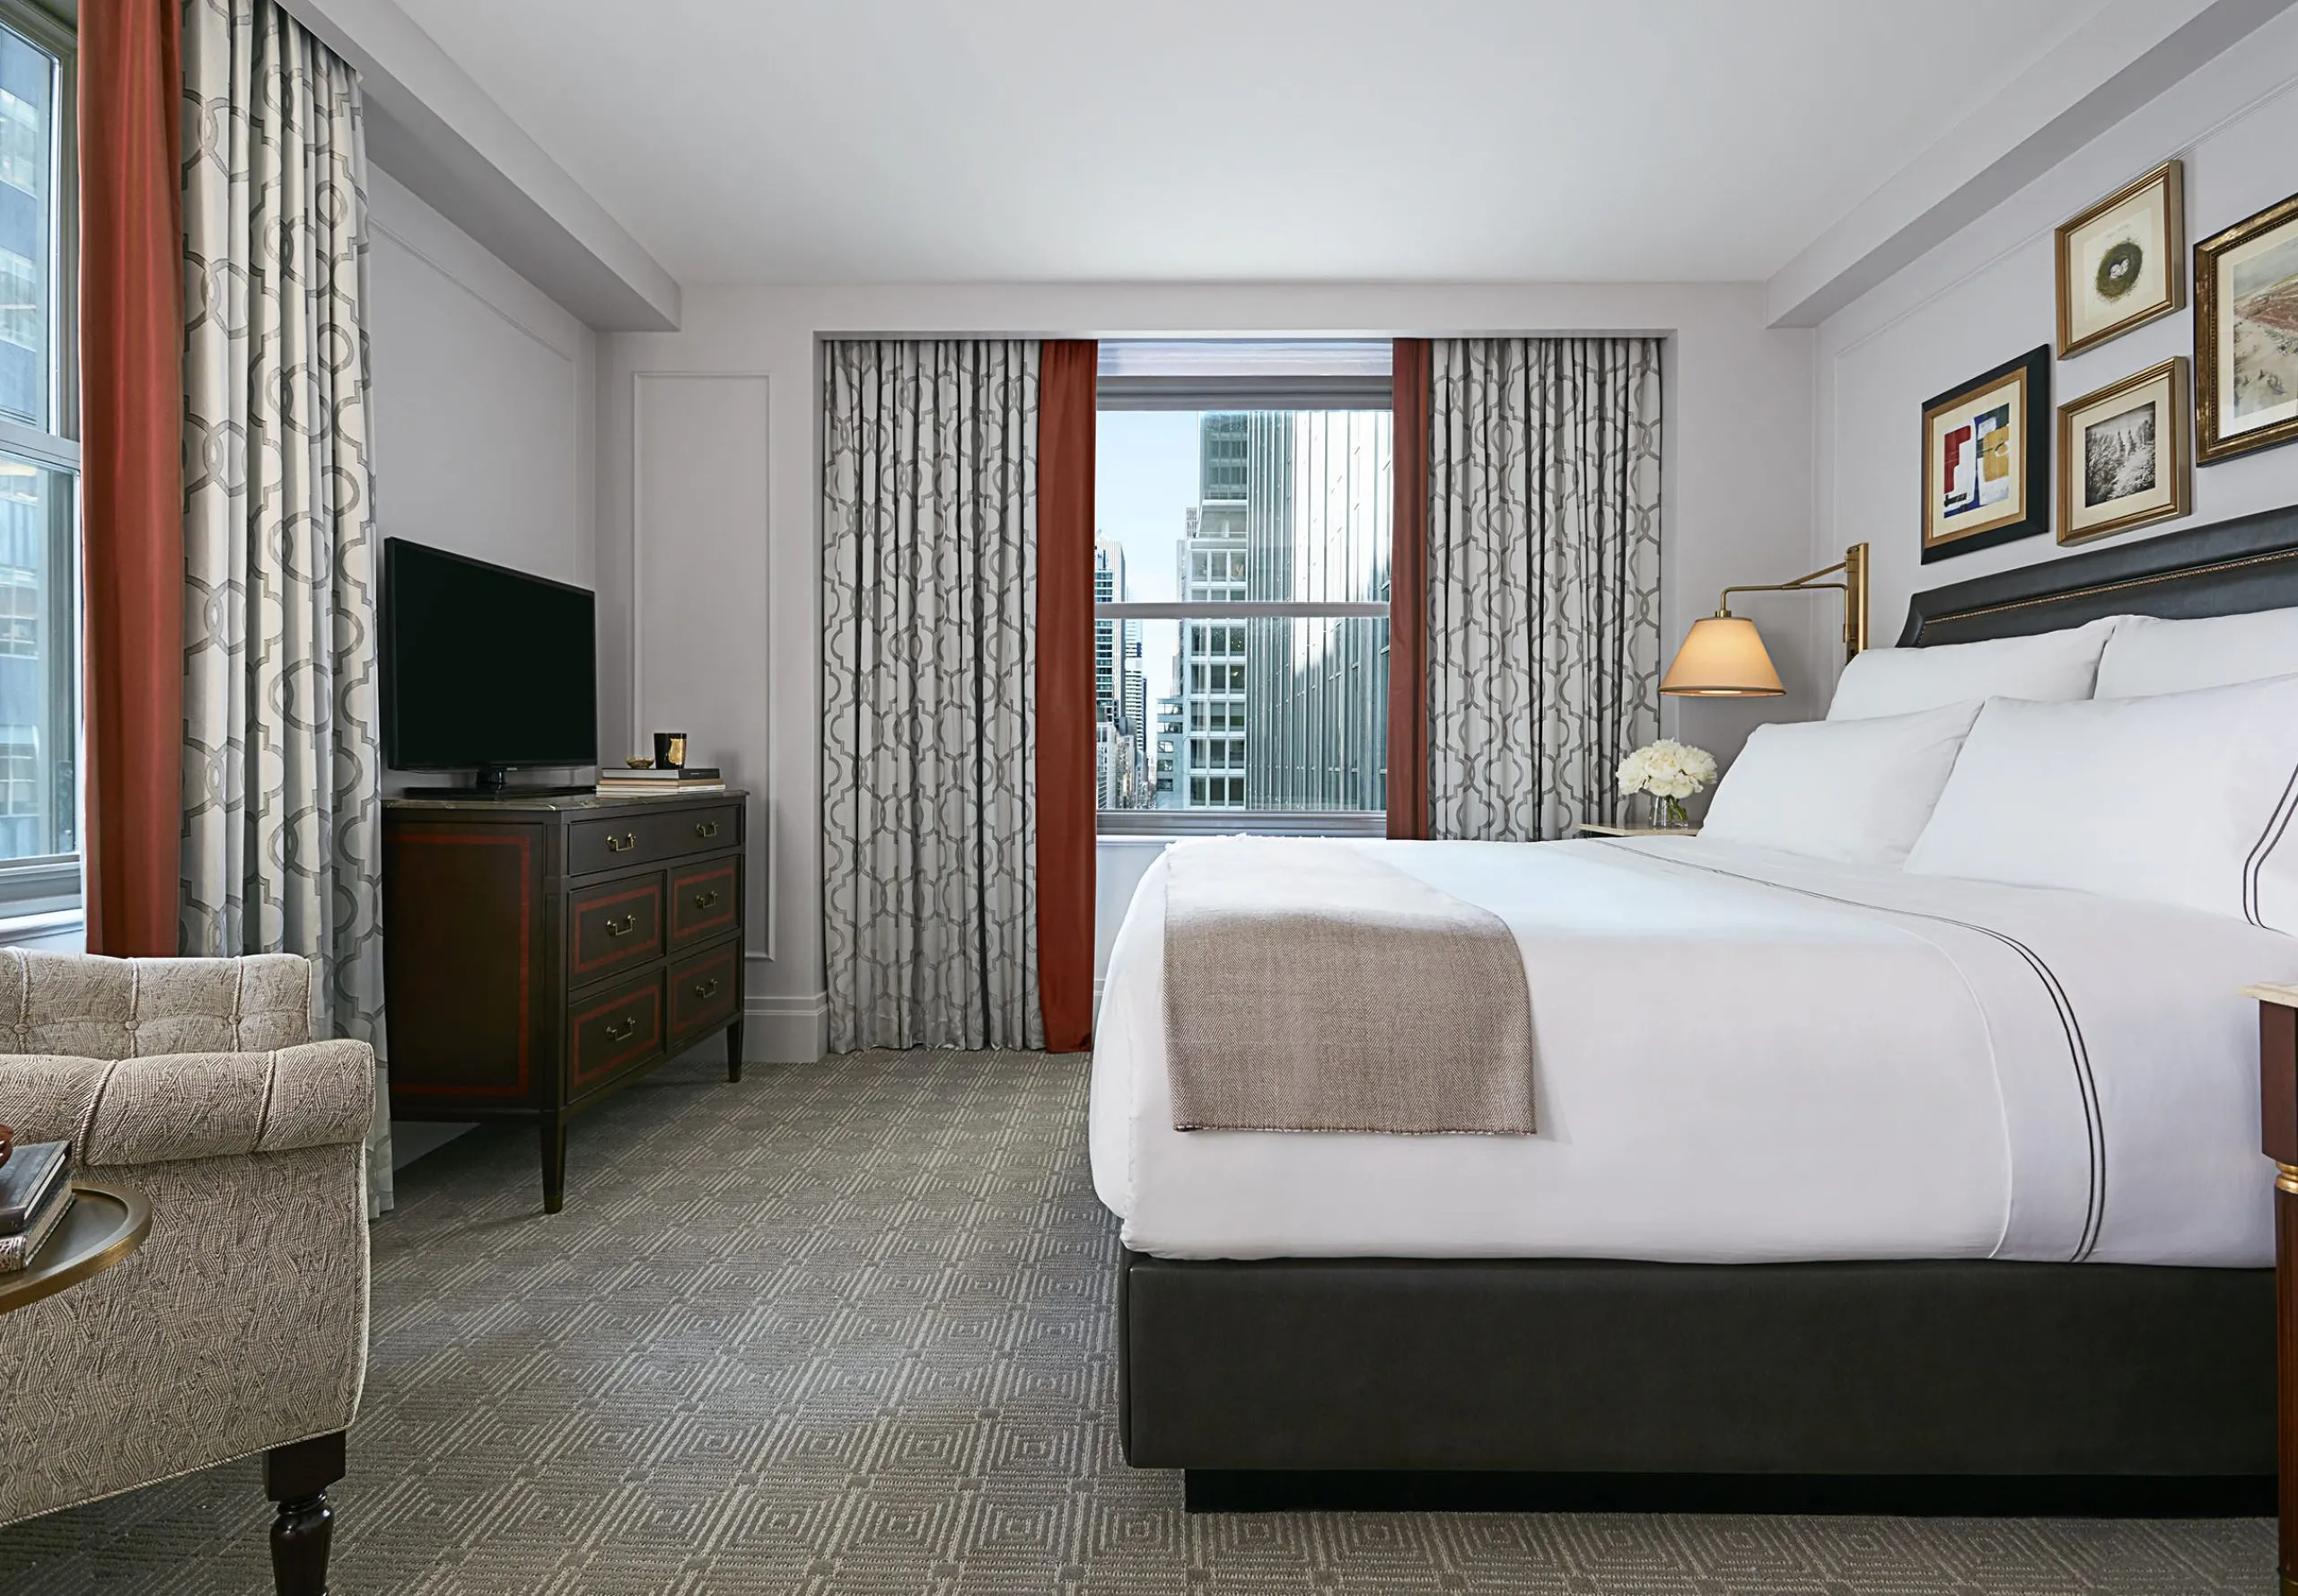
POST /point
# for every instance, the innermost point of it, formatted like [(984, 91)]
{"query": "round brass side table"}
[(107, 1220)]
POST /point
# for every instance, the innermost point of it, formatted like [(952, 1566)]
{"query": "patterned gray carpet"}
[(845, 1330)]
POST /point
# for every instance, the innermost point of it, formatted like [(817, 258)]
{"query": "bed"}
[(1852, 1187)]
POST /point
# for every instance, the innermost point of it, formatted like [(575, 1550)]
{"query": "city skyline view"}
[(1259, 713)]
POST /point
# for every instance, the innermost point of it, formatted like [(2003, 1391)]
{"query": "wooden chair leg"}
[(296, 1476), (735, 1050)]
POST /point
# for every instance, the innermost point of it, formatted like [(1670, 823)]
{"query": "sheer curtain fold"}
[(929, 678), (1543, 620), (281, 784)]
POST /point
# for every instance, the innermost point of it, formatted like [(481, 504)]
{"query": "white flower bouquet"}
[(1671, 772)]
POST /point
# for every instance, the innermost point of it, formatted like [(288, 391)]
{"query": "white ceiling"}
[(1014, 140)]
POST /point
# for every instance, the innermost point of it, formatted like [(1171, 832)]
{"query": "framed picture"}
[(2246, 334), (2122, 262), (1986, 459), (2122, 454)]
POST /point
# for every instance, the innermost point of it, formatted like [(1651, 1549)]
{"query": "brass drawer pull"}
[(624, 1031), (707, 988), (629, 839), (706, 827), (704, 899), (623, 926)]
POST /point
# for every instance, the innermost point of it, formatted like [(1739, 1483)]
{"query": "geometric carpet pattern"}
[(845, 1330)]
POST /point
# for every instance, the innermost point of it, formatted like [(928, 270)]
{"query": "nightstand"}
[(2278, 1134), (1590, 829)]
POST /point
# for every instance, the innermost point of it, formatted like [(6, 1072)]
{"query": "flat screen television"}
[(485, 667)]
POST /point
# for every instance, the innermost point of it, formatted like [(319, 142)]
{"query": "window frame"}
[(43, 894), (1215, 393)]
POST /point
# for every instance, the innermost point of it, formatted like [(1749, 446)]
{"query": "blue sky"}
[(1145, 477)]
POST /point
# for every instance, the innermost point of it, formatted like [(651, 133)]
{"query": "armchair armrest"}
[(175, 1106)]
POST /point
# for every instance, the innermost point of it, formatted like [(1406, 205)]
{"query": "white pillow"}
[(1857, 792), (2183, 798), (2146, 656), (2052, 666)]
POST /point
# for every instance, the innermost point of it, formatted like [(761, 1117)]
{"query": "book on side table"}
[(33, 1197)]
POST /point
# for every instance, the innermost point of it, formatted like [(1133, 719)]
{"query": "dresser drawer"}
[(637, 837), (615, 926), (702, 900), (706, 990), (615, 1029)]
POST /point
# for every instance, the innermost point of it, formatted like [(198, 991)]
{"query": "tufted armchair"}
[(241, 1325)]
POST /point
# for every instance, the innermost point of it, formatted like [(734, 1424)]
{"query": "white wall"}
[(482, 416), (708, 567), (1987, 294)]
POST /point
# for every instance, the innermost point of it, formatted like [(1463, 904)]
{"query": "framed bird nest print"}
[(2122, 262), (2122, 454), (2246, 334), (1986, 459)]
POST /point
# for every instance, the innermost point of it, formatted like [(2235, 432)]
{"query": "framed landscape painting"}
[(2246, 334), (2120, 262), (2122, 454), (1986, 459)]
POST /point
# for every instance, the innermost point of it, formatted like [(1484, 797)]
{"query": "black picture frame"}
[(2029, 515)]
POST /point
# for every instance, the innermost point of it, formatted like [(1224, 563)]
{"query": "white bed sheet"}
[(1741, 1057)]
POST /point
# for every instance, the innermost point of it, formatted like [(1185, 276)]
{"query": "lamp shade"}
[(1722, 657)]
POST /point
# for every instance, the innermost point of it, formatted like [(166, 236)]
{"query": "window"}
[(1243, 511), (39, 469)]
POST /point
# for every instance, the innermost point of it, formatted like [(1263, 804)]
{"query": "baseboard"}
[(786, 1030), (412, 1138)]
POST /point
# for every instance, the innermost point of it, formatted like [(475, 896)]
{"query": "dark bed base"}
[(1802, 1385), (1907, 1496)]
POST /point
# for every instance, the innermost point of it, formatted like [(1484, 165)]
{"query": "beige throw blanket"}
[(1309, 986)]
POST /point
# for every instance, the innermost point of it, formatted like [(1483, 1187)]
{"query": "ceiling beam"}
[(2127, 54), (439, 133)]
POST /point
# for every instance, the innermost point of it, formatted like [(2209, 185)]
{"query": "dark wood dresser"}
[(541, 952)]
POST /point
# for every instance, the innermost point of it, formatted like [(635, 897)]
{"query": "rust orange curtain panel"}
[(1408, 598), (1064, 773), (131, 382)]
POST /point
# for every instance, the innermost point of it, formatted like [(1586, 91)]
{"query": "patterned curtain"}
[(1543, 579), (929, 620), (282, 802)]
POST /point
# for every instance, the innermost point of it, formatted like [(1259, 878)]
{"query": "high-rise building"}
[(39, 614), (1121, 692), (1209, 766), (1286, 712)]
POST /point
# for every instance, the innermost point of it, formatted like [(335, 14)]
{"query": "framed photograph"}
[(2122, 262), (2122, 454), (2246, 334), (1987, 458)]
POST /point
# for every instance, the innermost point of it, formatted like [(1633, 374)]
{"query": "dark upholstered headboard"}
[(2229, 567)]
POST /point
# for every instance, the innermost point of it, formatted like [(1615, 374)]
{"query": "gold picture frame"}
[(1987, 458), (2123, 459), (2122, 263), (2246, 334)]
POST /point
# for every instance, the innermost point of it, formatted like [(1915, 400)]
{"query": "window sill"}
[(1166, 825), (17, 931)]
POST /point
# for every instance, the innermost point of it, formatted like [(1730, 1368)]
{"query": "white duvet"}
[(1740, 1056)]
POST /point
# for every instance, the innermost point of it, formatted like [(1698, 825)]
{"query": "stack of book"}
[(34, 1196), (654, 780)]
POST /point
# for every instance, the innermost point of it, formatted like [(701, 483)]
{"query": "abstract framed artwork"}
[(2246, 334), (2123, 459), (2121, 263), (1986, 459)]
